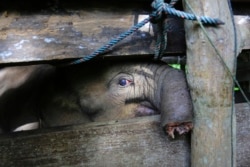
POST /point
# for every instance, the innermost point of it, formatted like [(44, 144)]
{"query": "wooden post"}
[(213, 140)]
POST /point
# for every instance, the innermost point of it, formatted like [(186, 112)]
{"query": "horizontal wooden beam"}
[(79, 32), (73, 32), (135, 142)]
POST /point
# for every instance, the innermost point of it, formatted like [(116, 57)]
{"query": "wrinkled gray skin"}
[(100, 91)]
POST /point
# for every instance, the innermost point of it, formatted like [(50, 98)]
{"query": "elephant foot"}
[(180, 128)]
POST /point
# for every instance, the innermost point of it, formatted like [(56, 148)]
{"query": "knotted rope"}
[(160, 11)]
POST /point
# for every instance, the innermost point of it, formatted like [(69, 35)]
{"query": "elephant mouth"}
[(145, 108)]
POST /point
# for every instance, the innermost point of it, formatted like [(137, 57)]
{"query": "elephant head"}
[(94, 91), (121, 90)]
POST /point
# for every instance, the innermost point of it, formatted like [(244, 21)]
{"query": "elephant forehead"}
[(131, 66), (140, 68), (145, 70)]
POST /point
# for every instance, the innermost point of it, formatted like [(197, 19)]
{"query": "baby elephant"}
[(101, 91)]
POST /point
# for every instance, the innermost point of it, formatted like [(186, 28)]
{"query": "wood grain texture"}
[(136, 142), (243, 135), (53, 30), (213, 140), (78, 30), (243, 31)]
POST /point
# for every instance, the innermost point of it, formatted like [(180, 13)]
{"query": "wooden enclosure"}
[(55, 31)]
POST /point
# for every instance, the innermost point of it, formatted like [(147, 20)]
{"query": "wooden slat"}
[(78, 32), (136, 142), (243, 135), (243, 31), (35, 32)]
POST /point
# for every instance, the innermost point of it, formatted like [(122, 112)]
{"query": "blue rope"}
[(161, 41), (188, 16), (157, 17), (160, 10)]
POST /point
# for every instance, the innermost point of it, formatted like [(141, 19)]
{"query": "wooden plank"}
[(243, 31), (135, 142), (58, 37), (243, 135), (35, 32), (35, 36), (213, 137)]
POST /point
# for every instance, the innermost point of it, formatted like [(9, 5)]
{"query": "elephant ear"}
[(176, 104)]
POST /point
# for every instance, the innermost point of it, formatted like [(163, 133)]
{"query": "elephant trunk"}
[(175, 102)]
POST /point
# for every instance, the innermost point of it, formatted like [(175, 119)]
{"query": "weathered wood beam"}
[(136, 142), (243, 31), (211, 85), (79, 32), (42, 38), (243, 134), (77, 29)]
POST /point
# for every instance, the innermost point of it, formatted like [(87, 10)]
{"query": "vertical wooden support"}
[(213, 140)]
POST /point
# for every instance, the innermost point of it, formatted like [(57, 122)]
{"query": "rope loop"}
[(158, 11), (157, 17)]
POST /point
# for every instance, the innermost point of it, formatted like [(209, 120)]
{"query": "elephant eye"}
[(124, 82)]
